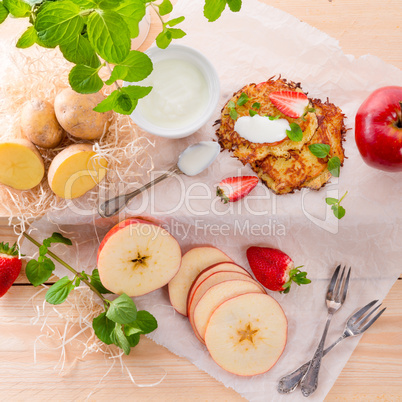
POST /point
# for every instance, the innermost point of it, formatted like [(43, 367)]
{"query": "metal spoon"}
[(186, 164)]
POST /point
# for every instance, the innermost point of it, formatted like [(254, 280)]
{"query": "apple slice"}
[(215, 296), (220, 267), (192, 263), (246, 335), (212, 280), (137, 257)]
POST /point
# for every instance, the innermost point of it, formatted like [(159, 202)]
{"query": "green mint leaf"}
[(109, 35), (213, 9), (122, 310), (96, 282), (136, 92), (175, 21), (334, 166), (340, 213), (256, 105), (295, 133), (107, 103), (59, 291), (17, 8), (3, 12), (234, 5), (243, 99), (39, 272), (59, 22), (103, 328), (85, 79), (43, 248), (124, 102), (164, 39), (231, 105), (27, 39), (132, 13), (274, 117), (145, 321), (133, 340), (132, 330), (165, 7), (119, 339), (86, 4), (58, 238), (331, 201), (176, 33), (136, 67), (233, 114), (80, 51), (107, 4), (252, 112), (319, 150)]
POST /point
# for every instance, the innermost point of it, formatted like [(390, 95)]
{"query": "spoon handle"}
[(114, 205)]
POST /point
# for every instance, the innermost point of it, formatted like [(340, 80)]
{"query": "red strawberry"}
[(10, 266), (235, 188), (274, 269), (291, 103)]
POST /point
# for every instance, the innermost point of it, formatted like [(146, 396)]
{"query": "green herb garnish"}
[(214, 8), (252, 112), (120, 323), (232, 110), (295, 133), (243, 99), (336, 207), (277, 117), (256, 105), (334, 165), (319, 150)]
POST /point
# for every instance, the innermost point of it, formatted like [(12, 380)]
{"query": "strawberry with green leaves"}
[(274, 269), (10, 266)]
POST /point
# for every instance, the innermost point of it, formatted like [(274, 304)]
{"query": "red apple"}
[(379, 129)]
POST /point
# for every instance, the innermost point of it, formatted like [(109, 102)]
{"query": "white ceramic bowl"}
[(211, 77)]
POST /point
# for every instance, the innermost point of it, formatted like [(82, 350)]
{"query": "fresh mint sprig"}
[(337, 208), (232, 110), (213, 9), (243, 99), (120, 323), (322, 151), (295, 133)]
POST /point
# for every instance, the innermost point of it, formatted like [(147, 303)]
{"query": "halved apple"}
[(212, 280), (215, 296), (137, 257), (246, 335), (220, 267), (192, 263)]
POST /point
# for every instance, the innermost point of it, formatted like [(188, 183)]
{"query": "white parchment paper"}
[(252, 46)]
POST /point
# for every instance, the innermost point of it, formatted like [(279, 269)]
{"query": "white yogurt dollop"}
[(198, 157), (260, 129), (179, 95)]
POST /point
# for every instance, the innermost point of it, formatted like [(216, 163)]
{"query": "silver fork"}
[(357, 324), (336, 295)]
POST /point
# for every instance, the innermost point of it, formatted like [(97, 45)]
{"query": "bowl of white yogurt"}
[(185, 92)]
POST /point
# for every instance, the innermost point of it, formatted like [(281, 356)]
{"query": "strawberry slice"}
[(10, 266), (235, 188), (290, 103)]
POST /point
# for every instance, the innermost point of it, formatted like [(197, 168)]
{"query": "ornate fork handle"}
[(290, 382), (310, 381)]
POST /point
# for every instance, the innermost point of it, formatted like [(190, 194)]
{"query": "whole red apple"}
[(379, 129)]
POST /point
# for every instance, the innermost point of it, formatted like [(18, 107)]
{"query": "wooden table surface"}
[(374, 371)]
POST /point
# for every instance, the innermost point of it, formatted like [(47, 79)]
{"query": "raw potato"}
[(75, 114), (21, 165), (75, 171), (39, 124)]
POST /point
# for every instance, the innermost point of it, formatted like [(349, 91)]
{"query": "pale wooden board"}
[(374, 371)]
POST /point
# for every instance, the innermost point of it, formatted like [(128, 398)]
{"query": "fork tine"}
[(356, 316), (345, 286), (338, 287), (372, 321), (334, 278)]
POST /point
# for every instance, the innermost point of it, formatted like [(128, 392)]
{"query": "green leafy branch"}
[(120, 324), (94, 34), (322, 151), (337, 208)]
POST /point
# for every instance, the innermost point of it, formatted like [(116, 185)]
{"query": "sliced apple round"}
[(212, 280), (246, 335), (220, 267), (137, 257), (215, 296), (193, 262)]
